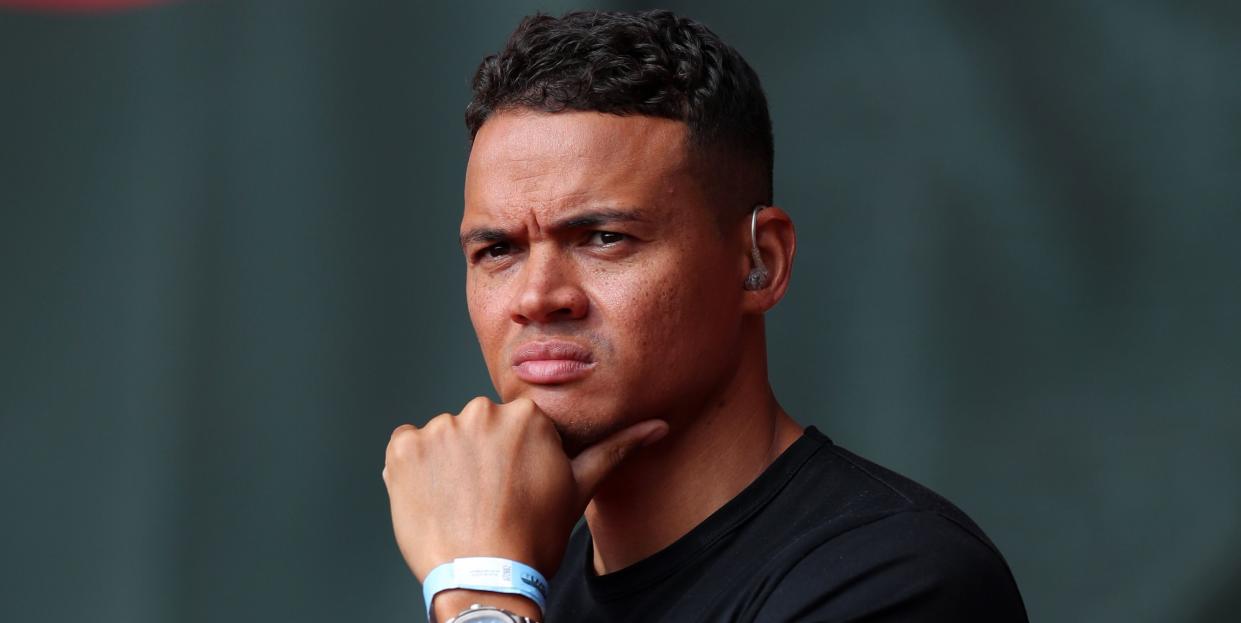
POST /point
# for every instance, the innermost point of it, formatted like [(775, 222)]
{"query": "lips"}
[(551, 363)]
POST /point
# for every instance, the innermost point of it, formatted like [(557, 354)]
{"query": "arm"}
[(493, 481)]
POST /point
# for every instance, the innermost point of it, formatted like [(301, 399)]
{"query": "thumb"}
[(594, 463)]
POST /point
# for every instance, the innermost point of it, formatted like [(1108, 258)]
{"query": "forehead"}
[(525, 163)]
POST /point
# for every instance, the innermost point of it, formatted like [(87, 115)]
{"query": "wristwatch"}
[(478, 613)]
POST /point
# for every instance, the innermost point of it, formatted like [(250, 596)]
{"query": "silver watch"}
[(478, 613)]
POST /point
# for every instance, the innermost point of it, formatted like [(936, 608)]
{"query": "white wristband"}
[(496, 575)]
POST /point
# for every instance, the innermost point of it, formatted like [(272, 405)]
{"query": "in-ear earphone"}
[(757, 279)]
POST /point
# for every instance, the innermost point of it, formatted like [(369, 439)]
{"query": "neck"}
[(659, 495)]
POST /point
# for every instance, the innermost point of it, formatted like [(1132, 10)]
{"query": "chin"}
[(577, 436), (579, 423)]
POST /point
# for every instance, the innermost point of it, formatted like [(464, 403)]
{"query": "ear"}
[(777, 244)]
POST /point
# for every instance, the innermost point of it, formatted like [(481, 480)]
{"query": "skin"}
[(609, 234)]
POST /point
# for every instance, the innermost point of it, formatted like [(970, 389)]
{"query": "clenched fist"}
[(495, 481)]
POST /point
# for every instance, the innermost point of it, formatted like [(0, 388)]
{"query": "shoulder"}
[(884, 547), (915, 564), (833, 486), (884, 492)]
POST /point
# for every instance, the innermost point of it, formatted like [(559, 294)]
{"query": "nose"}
[(548, 290)]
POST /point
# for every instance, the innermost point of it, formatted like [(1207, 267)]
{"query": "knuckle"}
[(402, 443), (438, 422), (523, 410), (478, 404), (401, 431), (522, 404), (617, 454)]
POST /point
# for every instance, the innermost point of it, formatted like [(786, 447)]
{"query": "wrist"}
[(487, 575), (450, 603)]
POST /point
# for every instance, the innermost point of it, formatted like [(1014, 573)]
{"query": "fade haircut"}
[(649, 63)]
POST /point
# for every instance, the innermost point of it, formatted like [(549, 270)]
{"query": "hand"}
[(495, 481)]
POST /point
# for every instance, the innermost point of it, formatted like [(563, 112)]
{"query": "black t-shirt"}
[(821, 535)]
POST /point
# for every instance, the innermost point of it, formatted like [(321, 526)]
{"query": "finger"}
[(594, 464)]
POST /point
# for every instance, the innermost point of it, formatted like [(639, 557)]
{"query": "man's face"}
[(599, 281)]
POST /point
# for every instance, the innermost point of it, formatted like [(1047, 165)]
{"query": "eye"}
[(606, 238), (496, 251)]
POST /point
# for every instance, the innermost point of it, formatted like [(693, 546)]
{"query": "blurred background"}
[(229, 264)]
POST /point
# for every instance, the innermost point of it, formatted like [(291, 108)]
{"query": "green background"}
[(229, 269)]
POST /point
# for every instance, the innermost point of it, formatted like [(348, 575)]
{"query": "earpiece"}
[(757, 279)]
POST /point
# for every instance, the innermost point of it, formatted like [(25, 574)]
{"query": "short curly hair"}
[(648, 63)]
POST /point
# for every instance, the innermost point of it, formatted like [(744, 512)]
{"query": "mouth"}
[(552, 363)]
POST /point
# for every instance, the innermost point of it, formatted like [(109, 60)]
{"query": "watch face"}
[(484, 616)]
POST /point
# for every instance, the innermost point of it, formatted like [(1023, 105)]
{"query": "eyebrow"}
[(482, 234), (595, 218), (582, 220)]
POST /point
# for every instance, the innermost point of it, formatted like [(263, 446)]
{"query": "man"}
[(621, 249)]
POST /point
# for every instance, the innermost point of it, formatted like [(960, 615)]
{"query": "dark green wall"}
[(228, 256)]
